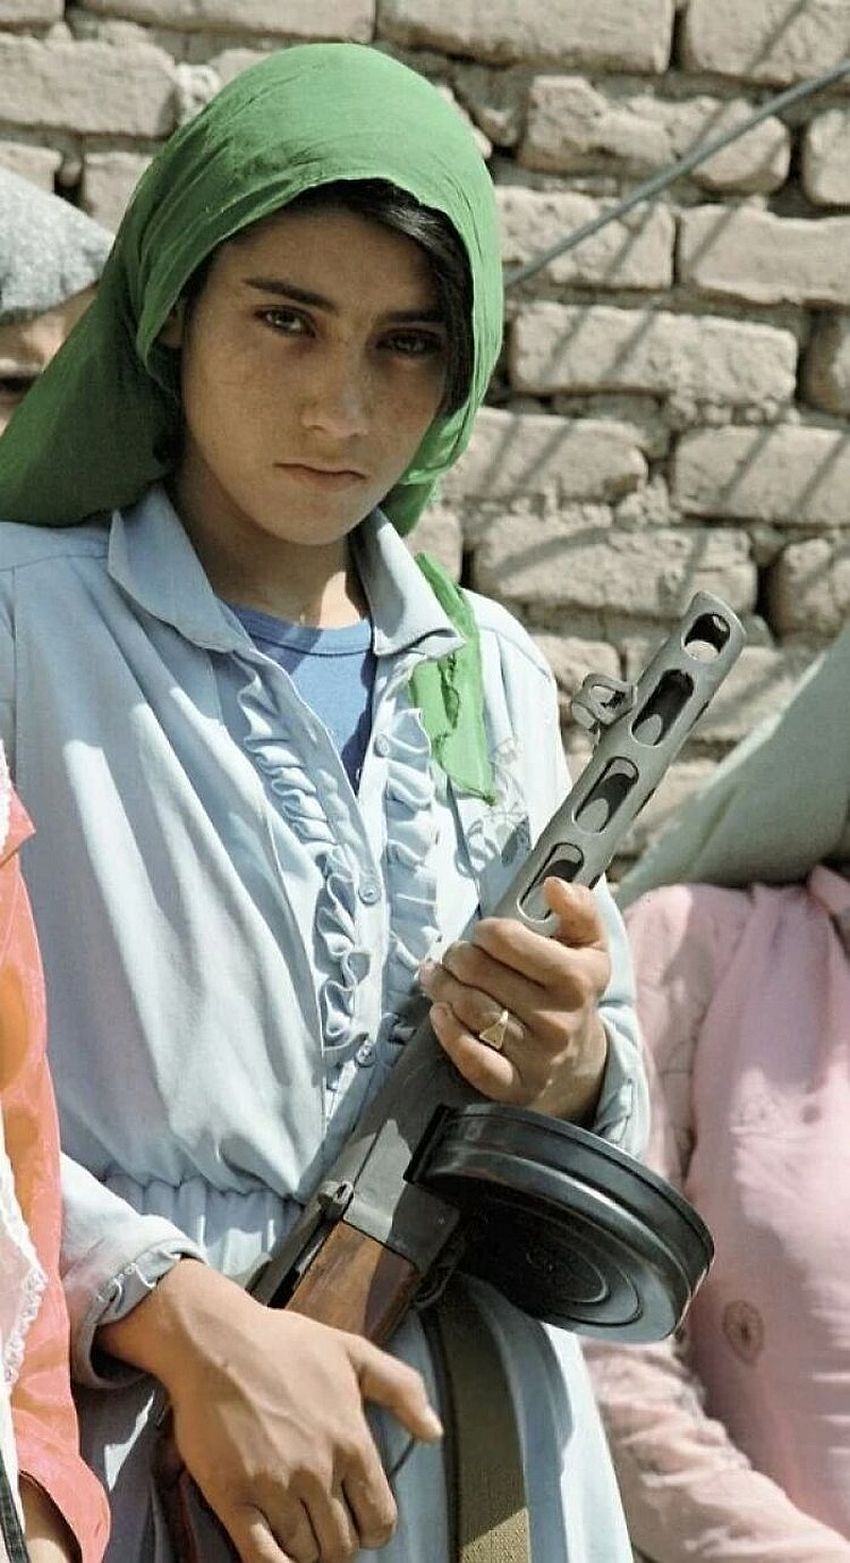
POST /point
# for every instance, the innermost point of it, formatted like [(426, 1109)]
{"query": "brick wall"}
[(672, 410)]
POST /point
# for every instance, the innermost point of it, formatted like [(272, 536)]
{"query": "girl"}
[(278, 767)]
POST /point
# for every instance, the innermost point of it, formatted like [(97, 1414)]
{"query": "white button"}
[(370, 891), (382, 746), (365, 1055)]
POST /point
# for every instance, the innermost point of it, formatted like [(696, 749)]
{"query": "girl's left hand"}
[(554, 1048)]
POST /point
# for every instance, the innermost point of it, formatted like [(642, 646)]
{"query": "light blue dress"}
[(231, 939)]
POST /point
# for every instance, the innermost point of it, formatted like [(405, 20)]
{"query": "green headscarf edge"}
[(450, 693)]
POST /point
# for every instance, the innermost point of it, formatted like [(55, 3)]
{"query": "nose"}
[(339, 398)]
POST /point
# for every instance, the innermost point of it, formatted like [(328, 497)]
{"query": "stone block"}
[(109, 179), (38, 164), (635, 252), (826, 375), (571, 658), (808, 588), (30, 13), (572, 127), (641, 574), (89, 87), (345, 19), (532, 453), (779, 41), (757, 163), (642, 416), (826, 159), (789, 476), (743, 253), (438, 532), (649, 505), (622, 35), (558, 348)]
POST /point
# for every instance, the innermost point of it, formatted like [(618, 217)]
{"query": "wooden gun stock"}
[(356, 1284)]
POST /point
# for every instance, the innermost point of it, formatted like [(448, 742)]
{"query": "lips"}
[(324, 467), (319, 476)]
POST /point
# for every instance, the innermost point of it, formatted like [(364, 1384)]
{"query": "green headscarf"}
[(99, 426), (776, 806)]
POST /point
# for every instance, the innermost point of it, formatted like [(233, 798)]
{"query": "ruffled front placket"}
[(274, 751), (411, 824)]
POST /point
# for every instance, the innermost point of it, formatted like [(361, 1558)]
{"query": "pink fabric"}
[(735, 1443), (42, 1410)]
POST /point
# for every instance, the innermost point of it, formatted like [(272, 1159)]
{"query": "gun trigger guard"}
[(601, 700)]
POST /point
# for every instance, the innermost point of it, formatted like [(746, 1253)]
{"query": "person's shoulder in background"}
[(51, 258)]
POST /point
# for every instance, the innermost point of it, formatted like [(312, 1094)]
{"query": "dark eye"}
[(285, 321), (415, 344)]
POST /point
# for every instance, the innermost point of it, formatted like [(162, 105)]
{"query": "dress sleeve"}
[(687, 1490), (622, 1112), (42, 1410), (112, 1257)]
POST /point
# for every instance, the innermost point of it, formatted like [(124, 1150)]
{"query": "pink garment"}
[(735, 1443), (43, 1415)]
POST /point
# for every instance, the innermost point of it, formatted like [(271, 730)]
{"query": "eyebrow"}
[(283, 289)]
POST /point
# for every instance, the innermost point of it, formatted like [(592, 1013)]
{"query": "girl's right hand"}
[(269, 1416)]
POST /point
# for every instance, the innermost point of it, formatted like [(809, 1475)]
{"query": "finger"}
[(387, 1382), (580, 922), (476, 1010), (287, 1522), (296, 1534), (254, 1541), (370, 1500), (548, 962), (540, 1010), (486, 1069), (334, 1527)]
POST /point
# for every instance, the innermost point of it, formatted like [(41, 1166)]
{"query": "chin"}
[(321, 531)]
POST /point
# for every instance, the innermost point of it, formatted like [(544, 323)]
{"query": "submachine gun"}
[(435, 1177)]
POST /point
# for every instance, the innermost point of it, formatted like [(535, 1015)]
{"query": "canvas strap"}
[(486, 1478)]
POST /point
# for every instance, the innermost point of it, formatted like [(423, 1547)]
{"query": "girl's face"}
[(312, 364)]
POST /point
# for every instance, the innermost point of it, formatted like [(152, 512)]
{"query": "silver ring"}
[(494, 1035)]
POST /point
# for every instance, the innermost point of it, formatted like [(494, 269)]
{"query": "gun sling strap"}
[(485, 1473)]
